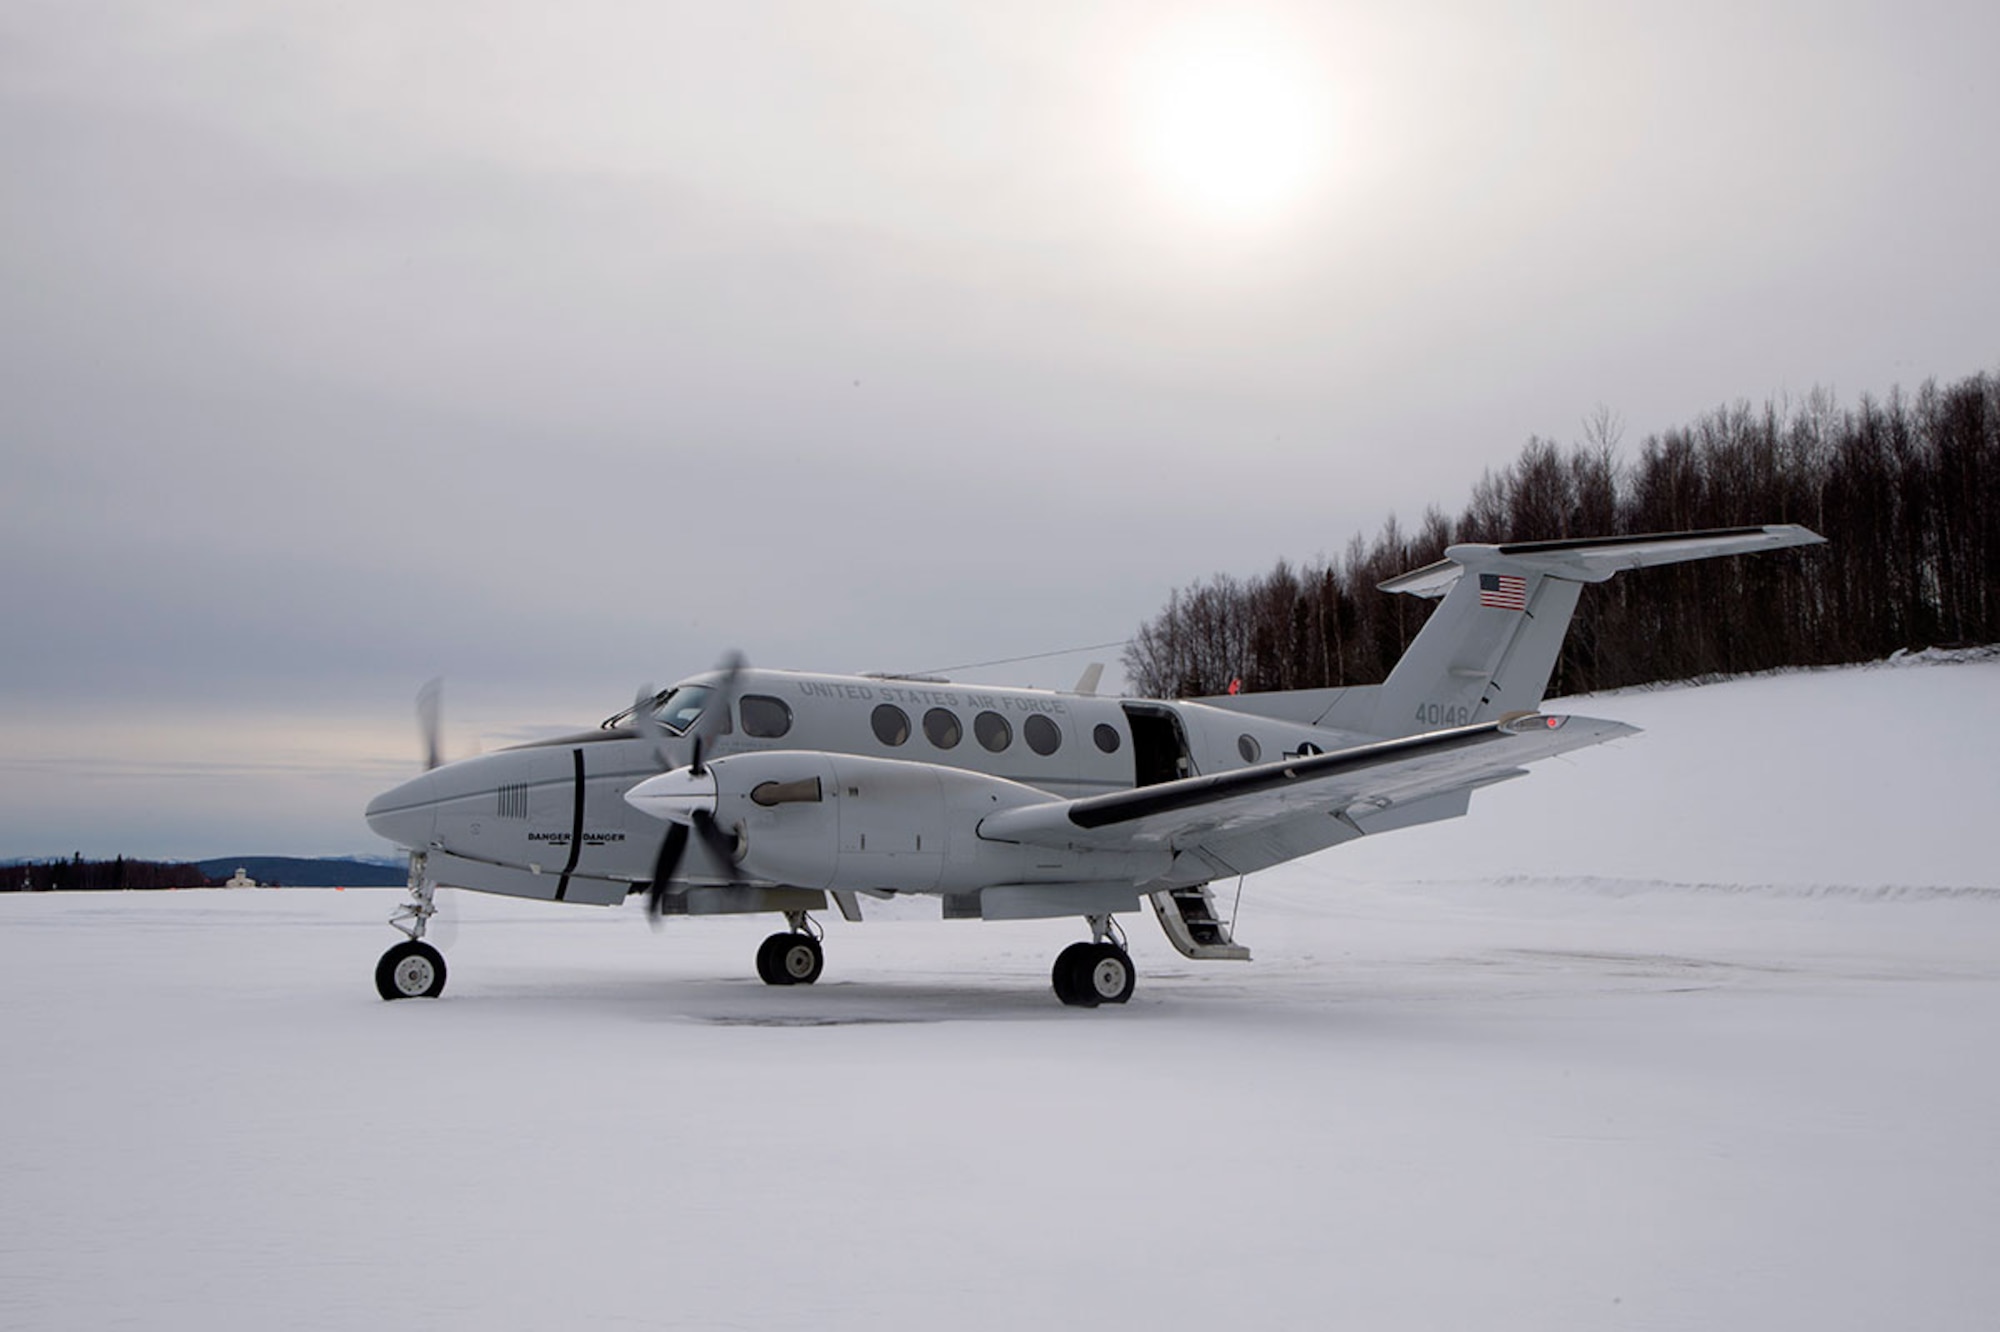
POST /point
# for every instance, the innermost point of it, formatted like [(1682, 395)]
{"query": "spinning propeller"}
[(694, 815), (430, 721), (430, 730)]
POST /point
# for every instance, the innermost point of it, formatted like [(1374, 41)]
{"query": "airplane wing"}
[(1340, 792)]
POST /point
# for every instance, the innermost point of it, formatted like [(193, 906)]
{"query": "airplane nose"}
[(406, 815)]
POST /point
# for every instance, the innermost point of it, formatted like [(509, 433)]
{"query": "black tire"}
[(1110, 975), (770, 964), (410, 970), (1071, 975)]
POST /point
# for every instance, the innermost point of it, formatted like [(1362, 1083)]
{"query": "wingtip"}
[(1603, 728), (1531, 723)]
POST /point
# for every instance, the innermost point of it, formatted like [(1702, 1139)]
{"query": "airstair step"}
[(1187, 916)]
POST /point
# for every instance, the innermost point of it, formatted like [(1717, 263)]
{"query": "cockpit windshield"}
[(677, 709), (683, 707)]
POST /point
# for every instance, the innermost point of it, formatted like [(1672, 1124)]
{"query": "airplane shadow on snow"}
[(751, 1003), (747, 1002)]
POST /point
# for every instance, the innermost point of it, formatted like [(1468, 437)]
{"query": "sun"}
[(1229, 120)]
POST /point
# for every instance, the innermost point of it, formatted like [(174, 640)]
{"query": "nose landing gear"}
[(413, 969)]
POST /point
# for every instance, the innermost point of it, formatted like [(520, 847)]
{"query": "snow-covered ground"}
[(1692, 1031)]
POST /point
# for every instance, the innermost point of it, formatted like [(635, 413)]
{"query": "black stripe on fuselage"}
[(575, 830)]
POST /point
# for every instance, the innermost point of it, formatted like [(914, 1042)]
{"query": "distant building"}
[(240, 880)]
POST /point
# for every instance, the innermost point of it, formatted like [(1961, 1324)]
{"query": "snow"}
[(1690, 1031)]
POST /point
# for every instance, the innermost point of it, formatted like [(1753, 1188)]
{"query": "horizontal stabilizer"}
[(1593, 560)]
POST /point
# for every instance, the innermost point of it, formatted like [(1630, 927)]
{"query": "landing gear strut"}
[(1098, 972), (794, 958), (413, 969)]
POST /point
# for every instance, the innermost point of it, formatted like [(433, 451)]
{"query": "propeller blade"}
[(443, 932), (716, 721), (430, 721), (663, 870), (732, 666), (718, 841), (646, 723)]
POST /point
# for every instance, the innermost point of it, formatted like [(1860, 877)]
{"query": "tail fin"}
[(1490, 647)]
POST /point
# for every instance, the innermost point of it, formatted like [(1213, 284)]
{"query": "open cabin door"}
[(1159, 745), (1187, 913)]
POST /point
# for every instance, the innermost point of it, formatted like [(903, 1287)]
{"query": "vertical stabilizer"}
[(1489, 648)]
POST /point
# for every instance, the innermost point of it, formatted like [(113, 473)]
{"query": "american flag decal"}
[(1503, 591)]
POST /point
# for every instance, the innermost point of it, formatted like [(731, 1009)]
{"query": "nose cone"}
[(407, 815), (675, 796)]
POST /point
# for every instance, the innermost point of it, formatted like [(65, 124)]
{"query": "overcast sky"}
[(555, 349)]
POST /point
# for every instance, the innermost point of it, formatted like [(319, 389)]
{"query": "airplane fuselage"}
[(550, 819)]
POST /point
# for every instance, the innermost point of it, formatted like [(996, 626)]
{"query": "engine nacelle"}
[(844, 822)]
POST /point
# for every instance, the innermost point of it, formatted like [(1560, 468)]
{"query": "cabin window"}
[(991, 730), (1247, 746), (1106, 736), (891, 723), (765, 717), (1043, 736), (942, 728)]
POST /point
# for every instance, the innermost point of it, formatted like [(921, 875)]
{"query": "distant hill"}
[(302, 872)]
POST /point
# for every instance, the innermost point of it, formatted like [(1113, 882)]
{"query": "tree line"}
[(79, 875), (1905, 489)]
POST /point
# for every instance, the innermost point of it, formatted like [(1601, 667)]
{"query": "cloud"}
[(349, 346)]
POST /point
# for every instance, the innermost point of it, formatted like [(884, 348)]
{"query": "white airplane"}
[(743, 790)]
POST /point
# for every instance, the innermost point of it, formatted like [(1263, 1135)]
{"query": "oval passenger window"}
[(891, 723), (941, 728), (765, 717), (992, 731)]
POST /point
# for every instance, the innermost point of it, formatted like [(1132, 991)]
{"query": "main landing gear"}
[(1098, 972), (794, 958), (413, 969)]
